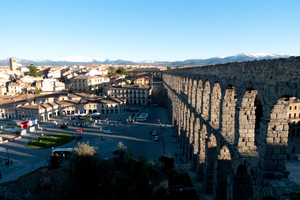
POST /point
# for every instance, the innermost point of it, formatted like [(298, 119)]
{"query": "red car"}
[(79, 130)]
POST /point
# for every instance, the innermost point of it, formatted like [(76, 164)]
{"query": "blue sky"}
[(147, 29)]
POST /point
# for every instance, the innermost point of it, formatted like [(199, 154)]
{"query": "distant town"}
[(43, 92)]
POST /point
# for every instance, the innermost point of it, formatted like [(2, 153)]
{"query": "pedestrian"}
[(294, 149), (11, 162)]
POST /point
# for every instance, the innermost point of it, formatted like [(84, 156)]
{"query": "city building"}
[(45, 107), (134, 94), (294, 118), (89, 84)]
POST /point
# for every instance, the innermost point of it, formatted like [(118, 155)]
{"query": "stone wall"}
[(214, 112)]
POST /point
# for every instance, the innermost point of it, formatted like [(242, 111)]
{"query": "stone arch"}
[(202, 144), (186, 85), (191, 137), (221, 167), (206, 100), (189, 92), (227, 119), (274, 131), (215, 99), (193, 93), (239, 185), (187, 133), (210, 154), (196, 143), (199, 96), (245, 122)]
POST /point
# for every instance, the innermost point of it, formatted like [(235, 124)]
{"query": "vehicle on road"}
[(79, 130), (108, 132), (153, 133), (155, 105), (63, 152), (64, 126), (78, 137), (116, 152), (156, 138), (141, 119)]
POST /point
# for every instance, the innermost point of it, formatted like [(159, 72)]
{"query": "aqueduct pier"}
[(236, 152)]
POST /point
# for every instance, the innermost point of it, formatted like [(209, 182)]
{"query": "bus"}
[(63, 152)]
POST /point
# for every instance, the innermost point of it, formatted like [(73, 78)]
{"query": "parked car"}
[(64, 126), (108, 132), (78, 137), (79, 130), (155, 105), (153, 133), (141, 119), (116, 152), (156, 138)]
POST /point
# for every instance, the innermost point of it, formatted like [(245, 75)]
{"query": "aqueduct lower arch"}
[(214, 113)]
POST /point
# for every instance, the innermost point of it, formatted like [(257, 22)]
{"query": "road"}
[(136, 136)]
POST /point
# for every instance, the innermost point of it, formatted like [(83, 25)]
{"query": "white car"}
[(141, 119), (108, 132), (153, 133), (156, 138)]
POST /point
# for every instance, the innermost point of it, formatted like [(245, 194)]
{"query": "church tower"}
[(13, 64)]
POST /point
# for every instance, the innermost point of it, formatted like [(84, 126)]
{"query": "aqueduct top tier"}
[(220, 103)]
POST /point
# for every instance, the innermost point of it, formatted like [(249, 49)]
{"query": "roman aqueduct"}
[(231, 120)]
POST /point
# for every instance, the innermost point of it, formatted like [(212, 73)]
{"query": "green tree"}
[(177, 67), (121, 70), (111, 71), (121, 177), (22, 93), (168, 68), (33, 71)]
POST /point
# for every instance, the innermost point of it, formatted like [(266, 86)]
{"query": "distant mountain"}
[(78, 60)]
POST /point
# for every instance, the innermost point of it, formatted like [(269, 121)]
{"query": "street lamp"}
[(7, 155)]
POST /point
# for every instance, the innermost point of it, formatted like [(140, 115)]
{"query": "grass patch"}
[(49, 141), (36, 171)]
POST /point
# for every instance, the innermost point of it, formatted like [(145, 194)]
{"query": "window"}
[(290, 115), (295, 115), (295, 107), (290, 107)]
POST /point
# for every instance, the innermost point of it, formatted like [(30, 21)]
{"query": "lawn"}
[(49, 141)]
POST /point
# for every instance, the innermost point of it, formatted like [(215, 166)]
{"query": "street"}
[(136, 136)]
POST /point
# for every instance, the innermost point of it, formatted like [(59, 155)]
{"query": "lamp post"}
[(7, 155)]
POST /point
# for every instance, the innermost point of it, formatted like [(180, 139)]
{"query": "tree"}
[(111, 71), (168, 68), (177, 67), (33, 71), (121, 177), (121, 70), (22, 93)]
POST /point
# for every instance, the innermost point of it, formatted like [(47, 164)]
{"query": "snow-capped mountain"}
[(77, 60)]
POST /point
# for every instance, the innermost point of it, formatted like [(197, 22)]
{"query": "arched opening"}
[(227, 120), (196, 144), (199, 96), (276, 147), (193, 93), (239, 185), (221, 168), (215, 99), (191, 138), (186, 138), (206, 101), (189, 92), (202, 144), (210, 155)]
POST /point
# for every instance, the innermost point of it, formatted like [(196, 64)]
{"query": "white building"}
[(52, 85)]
